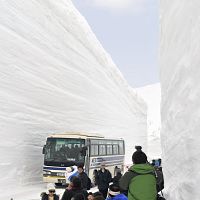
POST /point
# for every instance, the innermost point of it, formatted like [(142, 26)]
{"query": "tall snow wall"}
[(152, 96), (55, 76), (180, 112)]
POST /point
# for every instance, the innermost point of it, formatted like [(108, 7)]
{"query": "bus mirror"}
[(44, 148), (83, 151)]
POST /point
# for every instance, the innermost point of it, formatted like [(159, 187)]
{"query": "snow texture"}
[(180, 109), (152, 96), (55, 76)]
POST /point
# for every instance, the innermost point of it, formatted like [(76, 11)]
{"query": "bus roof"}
[(80, 135), (75, 135)]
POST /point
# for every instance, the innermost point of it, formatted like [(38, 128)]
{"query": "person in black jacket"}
[(51, 193), (103, 178), (75, 189), (83, 176), (116, 178)]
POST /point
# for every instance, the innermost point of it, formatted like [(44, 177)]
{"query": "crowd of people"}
[(143, 181)]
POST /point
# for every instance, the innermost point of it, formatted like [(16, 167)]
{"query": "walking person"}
[(117, 178), (140, 180), (51, 195), (75, 190), (103, 178), (83, 177)]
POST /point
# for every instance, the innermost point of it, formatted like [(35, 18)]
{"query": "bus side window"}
[(115, 149), (94, 150), (109, 149), (121, 148), (102, 149)]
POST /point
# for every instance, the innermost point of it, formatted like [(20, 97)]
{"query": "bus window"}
[(121, 147), (115, 149), (94, 150), (102, 149), (94, 141), (63, 150), (109, 149), (101, 142)]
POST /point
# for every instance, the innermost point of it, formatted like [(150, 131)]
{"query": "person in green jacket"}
[(140, 180)]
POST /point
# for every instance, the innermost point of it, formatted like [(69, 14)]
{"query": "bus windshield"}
[(65, 151)]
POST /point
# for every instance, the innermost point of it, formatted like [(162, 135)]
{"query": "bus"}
[(63, 152)]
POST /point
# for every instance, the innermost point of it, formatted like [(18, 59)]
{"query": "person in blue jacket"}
[(114, 193)]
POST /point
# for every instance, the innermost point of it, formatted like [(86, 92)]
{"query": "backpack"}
[(159, 185), (89, 184)]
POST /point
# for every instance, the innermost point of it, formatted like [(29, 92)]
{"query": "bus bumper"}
[(54, 179)]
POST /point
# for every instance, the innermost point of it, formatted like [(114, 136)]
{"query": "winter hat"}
[(50, 186), (113, 190), (139, 157)]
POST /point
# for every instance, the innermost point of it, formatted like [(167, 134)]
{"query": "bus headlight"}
[(60, 174), (46, 173)]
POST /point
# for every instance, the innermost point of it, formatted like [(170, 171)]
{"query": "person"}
[(160, 162), (102, 179), (83, 176), (90, 196), (78, 196), (51, 193), (114, 193), (159, 179), (95, 172), (153, 162), (159, 174), (140, 180), (74, 189), (98, 196), (117, 178), (76, 152)]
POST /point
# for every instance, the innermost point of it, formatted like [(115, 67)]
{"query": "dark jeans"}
[(104, 192)]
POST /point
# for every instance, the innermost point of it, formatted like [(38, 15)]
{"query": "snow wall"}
[(180, 109), (152, 96), (55, 76)]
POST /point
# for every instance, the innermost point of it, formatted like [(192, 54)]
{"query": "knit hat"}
[(139, 157), (50, 186), (113, 190)]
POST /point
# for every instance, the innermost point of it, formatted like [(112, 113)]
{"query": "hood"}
[(142, 168)]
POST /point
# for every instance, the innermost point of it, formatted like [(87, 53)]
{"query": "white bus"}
[(65, 151)]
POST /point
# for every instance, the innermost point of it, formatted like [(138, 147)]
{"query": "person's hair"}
[(76, 182), (139, 157), (113, 188), (97, 194), (80, 166), (99, 198), (90, 193), (78, 196)]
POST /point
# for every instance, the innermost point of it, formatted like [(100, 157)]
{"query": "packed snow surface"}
[(55, 76), (180, 109)]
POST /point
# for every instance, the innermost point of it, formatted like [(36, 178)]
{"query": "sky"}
[(129, 32)]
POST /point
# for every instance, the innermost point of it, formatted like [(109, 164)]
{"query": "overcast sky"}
[(129, 32)]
